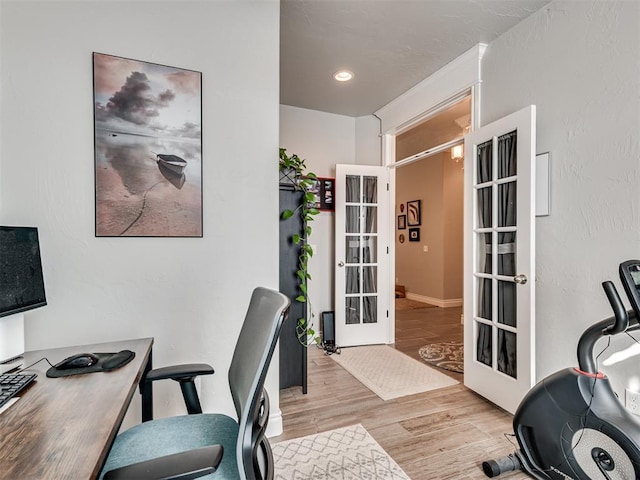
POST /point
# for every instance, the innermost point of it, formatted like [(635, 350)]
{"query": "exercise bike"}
[(571, 425)]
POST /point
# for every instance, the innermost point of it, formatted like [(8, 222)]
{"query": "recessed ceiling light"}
[(343, 75)]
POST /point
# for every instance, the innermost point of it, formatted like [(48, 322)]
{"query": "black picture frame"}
[(414, 234), (147, 161), (414, 214), (324, 190), (402, 222)]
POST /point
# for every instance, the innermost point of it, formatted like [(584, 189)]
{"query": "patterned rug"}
[(348, 453), (447, 355), (390, 373)]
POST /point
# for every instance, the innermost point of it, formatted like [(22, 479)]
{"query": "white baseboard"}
[(274, 427), (452, 302)]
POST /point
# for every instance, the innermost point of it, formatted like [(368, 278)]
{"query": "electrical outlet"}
[(632, 401)]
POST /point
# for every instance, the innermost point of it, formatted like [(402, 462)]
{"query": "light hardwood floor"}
[(444, 434)]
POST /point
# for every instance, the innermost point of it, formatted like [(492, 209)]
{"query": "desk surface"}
[(62, 428)]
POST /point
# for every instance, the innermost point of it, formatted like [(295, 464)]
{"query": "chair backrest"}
[(251, 358)]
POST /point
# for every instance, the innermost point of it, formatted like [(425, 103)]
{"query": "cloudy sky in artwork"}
[(145, 98)]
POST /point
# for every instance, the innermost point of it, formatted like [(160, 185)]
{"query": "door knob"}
[(341, 263), (520, 279)]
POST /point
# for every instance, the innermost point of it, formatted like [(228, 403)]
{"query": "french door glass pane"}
[(507, 353), (352, 283), (370, 219), (370, 250), (484, 298), (507, 303), (352, 249), (369, 309), (353, 189), (352, 219), (484, 207), (507, 158), (483, 344), (507, 204), (352, 314), (507, 253), (484, 252), (369, 275), (485, 162), (370, 194)]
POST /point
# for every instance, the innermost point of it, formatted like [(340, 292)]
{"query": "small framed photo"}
[(414, 234), (413, 213), (402, 222), (323, 189)]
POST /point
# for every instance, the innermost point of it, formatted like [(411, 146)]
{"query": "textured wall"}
[(579, 62), (190, 294)]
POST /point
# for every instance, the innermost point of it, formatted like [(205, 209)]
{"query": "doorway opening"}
[(428, 236)]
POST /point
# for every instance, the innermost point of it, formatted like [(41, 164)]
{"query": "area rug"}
[(348, 453), (447, 355), (390, 373)]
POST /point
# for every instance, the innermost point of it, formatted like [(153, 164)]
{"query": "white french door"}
[(499, 265), (361, 255)]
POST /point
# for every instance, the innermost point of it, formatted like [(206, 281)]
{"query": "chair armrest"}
[(179, 466), (183, 372)]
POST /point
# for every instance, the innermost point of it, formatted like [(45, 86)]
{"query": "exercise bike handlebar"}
[(622, 321), (620, 313)]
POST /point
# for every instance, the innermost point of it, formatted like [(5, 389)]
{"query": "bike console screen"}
[(630, 276)]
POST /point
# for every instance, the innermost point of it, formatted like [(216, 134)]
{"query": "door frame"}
[(388, 155), (428, 98)]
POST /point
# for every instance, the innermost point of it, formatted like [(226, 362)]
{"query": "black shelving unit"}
[(293, 356)]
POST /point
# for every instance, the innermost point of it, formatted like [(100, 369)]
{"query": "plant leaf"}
[(287, 214)]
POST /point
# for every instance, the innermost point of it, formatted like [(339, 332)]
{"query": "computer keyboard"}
[(12, 384)]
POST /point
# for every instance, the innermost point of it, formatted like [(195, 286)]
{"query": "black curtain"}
[(506, 217)]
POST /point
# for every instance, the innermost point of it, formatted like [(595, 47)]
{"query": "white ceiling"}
[(390, 45)]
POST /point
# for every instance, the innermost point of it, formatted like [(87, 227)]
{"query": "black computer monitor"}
[(21, 279)]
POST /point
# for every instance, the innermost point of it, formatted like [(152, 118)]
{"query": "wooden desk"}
[(62, 428)]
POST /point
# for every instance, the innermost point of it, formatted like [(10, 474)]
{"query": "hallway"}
[(417, 326)]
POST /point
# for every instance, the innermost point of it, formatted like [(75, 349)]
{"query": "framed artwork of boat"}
[(148, 148)]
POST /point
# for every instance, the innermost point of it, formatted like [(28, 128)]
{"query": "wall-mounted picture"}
[(413, 213), (323, 188), (148, 148), (414, 234), (401, 238), (402, 222)]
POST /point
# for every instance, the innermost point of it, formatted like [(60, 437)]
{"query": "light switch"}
[(425, 248)]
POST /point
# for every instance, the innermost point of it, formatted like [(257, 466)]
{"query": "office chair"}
[(194, 445)]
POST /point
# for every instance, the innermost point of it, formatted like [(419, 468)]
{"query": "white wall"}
[(368, 141), (323, 140), (190, 294), (579, 62)]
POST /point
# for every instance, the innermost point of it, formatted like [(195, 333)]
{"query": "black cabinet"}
[(293, 355)]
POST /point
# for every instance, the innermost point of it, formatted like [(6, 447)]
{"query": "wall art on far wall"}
[(414, 234), (324, 190), (413, 213), (148, 149), (402, 222)]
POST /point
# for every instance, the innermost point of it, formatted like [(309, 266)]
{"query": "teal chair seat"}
[(167, 436)]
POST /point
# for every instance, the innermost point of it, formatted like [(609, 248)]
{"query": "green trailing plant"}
[(294, 169)]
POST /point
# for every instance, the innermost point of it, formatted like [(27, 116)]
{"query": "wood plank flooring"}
[(443, 434)]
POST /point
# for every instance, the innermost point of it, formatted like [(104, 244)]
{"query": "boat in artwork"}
[(172, 162)]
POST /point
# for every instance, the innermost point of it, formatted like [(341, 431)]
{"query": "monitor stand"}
[(11, 338)]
